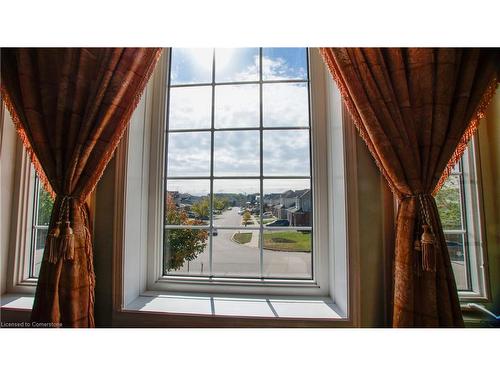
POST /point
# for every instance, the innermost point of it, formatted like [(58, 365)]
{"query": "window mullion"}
[(34, 230), (465, 227), (212, 127), (261, 180)]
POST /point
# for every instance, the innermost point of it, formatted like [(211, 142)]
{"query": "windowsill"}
[(15, 301), (237, 306)]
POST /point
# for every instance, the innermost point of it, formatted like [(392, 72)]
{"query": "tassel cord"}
[(429, 243)]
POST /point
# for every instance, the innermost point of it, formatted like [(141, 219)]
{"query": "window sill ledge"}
[(304, 308), (17, 301)]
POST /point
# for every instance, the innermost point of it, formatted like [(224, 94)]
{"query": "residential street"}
[(233, 259)]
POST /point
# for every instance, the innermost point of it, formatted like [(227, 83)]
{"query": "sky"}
[(237, 153)]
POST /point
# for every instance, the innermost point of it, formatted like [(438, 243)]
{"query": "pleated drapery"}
[(70, 107), (416, 109)]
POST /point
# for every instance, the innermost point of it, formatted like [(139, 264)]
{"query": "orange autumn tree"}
[(181, 245)]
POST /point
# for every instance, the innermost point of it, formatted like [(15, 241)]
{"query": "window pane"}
[(44, 205), (285, 104), (187, 202), (190, 107), (449, 204), (191, 65), (236, 253), (287, 254), (242, 199), (236, 153), (456, 249), (284, 63), (186, 252), (237, 106), (188, 154), (287, 203), (457, 168), (236, 64), (40, 237), (286, 153), (41, 220)]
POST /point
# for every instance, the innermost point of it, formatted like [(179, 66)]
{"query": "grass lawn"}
[(287, 241), (265, 221), (242, 238)]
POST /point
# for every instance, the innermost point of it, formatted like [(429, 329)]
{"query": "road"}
[(237, 260)]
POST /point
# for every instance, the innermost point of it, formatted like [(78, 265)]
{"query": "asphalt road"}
[(237, 260)]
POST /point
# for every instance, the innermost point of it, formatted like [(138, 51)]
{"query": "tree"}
[(221, 203), (448, 204), (247, 218), (45, 204), (202, 207), (182, 245)]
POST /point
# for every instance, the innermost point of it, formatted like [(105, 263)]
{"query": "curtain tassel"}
[(52, 243), (67, 245), (428, 244)]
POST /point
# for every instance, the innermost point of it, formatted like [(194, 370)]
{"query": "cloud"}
[(193, 187), (236, 106), (285, 104), (236, 64), (237, 186), (191, 65), (286, 153), (237, 153), (190, 107), (280, 186), (188, 154)]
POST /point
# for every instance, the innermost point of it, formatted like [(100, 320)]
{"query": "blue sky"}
[(194, 65), (286, 152)]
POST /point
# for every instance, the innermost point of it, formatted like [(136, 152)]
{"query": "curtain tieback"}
[(425, 242), (61, 239)]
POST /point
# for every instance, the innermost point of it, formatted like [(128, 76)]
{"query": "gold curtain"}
[(416, 109), (70, 108)]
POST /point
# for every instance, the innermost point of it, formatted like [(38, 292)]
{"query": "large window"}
[(459, 207), (238, 192)]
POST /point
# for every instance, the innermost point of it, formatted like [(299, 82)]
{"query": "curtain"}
[(70, 108), (416, 109)]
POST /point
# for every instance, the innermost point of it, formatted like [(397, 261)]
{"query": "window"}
[(42, 209), (225, 180), (238, 197), (459, 207), (31, 210)]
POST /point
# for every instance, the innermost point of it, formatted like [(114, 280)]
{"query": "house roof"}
[(306, 192), (294, 194)]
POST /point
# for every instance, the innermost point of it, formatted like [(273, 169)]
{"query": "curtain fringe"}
[(479, 113), (90, 264), (26, 143), (344, 92)]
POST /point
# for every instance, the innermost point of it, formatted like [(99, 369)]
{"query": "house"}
[(288, 198), (271, 199), (300, 213)]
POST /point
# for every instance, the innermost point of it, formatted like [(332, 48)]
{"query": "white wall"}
[(9, 144)]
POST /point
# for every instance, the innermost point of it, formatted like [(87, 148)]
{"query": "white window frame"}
[(139, 193), (274, 286), (475, 239), (18, 275)]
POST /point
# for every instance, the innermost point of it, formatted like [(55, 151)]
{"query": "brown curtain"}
[(70, 108), (416, 109)]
